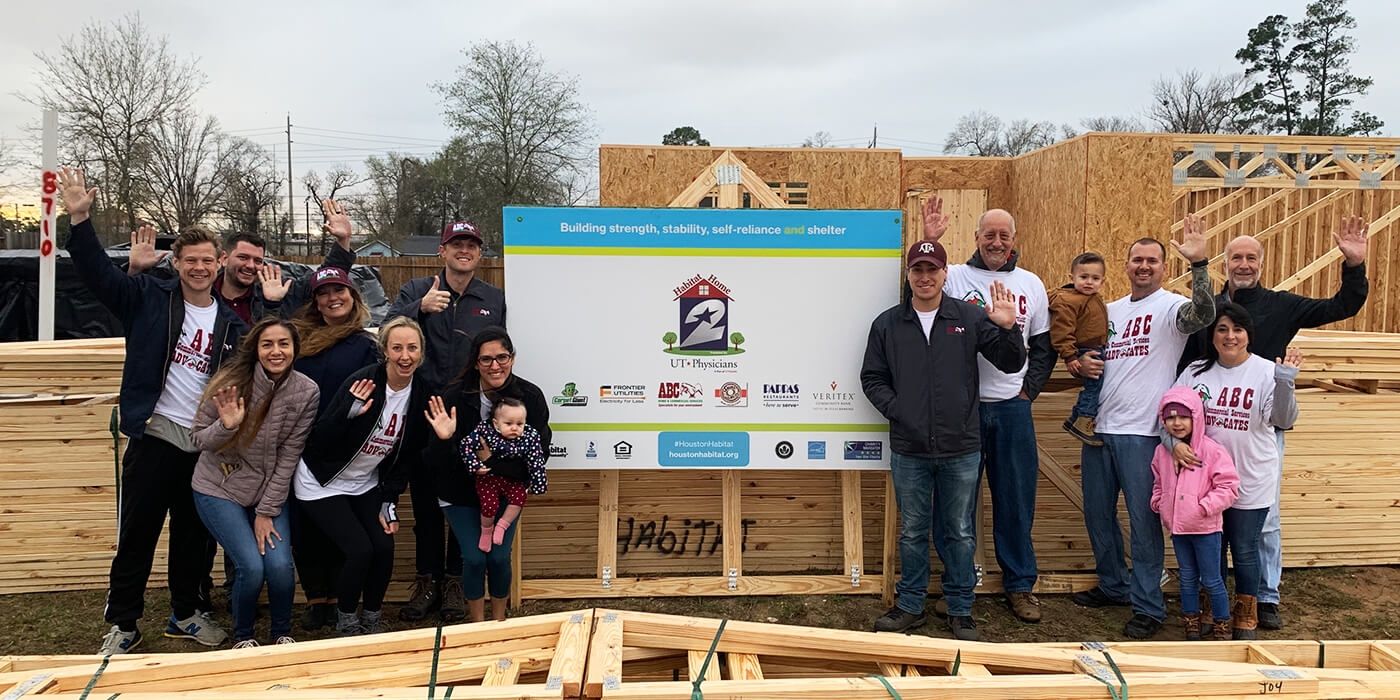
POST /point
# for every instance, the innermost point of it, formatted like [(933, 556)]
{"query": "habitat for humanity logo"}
[(622, 393), (733, 394), (781, 396), (569, 396), (834, 400), (703, 324), (680, 394)]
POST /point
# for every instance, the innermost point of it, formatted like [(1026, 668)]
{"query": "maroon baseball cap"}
[(926, 251), (329, 275), (457, 229)]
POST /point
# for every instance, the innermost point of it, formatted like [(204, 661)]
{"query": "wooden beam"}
[(571, 653), (695, 660), (888, 543), (743, 667), (698, 188), (605, 654), (732, 517), (607, 522), (1258, 654), (504, 672), (852, 530)]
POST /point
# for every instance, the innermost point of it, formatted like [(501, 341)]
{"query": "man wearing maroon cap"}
[(920, 372), (451, 306)]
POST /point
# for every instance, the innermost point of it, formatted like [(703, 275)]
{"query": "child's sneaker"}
[(200, 627), (118, 642), (1082, 427)]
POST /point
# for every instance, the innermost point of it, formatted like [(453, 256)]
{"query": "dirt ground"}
[(1330, 603)]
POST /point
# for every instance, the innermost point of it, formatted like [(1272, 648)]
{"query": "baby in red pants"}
[(505, 435)]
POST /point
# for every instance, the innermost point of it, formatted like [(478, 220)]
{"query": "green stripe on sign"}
[(716, 427), (704, 252)]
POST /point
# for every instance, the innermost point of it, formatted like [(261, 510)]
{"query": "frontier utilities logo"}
[(703, 322)]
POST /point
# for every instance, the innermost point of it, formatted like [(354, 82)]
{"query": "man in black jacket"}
[(920, 372), (1278, 316), (177, 334), (451, 307)]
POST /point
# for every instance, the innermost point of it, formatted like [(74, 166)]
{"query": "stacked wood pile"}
[(620, 655)]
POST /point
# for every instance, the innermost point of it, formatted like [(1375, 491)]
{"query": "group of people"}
[(1184, 409), (262, 417)]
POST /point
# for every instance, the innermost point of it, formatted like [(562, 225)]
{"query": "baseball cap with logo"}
[(458, 229), (926, 251), (329, 275)]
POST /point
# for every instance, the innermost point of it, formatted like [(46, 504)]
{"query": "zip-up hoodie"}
[(447, 334), (259, 473), (152, 312), (1191, 501)]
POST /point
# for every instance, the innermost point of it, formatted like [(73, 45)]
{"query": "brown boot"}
[(1246, 616), (1221, 633), (426, 598), (1083, 428), (1207, 628), (1192, 623)]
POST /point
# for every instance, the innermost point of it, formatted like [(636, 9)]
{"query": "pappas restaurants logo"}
[(569, 396), (782, 395), (680, 394), (703, 320)]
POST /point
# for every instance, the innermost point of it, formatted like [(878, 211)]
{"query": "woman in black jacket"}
[(486, 380), (354, 469)]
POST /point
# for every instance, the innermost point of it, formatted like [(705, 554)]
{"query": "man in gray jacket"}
[(920, 372), (451, 307)]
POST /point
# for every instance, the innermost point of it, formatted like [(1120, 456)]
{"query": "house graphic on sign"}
[(704, 314)]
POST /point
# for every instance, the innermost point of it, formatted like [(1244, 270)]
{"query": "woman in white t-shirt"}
[(1245, 397), (355, 468)]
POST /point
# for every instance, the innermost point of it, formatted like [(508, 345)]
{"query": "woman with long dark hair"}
[(487, 379), (252, 423), (334, 345), (1246, 397)]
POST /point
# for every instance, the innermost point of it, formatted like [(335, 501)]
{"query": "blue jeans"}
[(1012, 467), (1195, 558), (1242, 529), (1124, 463), (947, 486), (232, 526), (481, 568), (1088, 403), (1271, 541)]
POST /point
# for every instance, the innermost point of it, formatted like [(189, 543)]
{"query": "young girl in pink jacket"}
[(1190, 500)]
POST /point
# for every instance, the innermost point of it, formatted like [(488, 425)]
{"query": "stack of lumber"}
[(640, 656), (62, 366)]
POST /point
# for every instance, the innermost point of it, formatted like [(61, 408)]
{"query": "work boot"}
[(1191, 622), (963, 628), (1024, 605), (1096, 598), (1082, 427), (897, 620), (454, 604), (1207, 613), (1246, 617), (1221, 632), (1269, 619), (426, 598)]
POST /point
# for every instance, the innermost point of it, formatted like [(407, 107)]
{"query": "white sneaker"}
[(200, 627), (246, 644), (118, 642), (284, 639)]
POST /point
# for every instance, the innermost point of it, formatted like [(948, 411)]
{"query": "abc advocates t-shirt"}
[(974, 284), (360, 475), (1140, 362), (1239, 405), (189, 365)]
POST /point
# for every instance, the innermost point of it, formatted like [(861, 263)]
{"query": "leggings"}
[(352, 524)]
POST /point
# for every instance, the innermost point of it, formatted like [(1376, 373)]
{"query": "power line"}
[(361, 133)]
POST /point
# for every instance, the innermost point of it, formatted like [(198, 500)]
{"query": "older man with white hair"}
[(1278, 316)]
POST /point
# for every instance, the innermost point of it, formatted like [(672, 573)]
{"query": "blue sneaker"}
[(118, 642), (200, 627)]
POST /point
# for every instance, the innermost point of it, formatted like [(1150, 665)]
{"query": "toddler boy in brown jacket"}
[(1079, 324)]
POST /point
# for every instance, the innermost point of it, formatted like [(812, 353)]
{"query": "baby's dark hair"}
[(505, 401), (1086, 259)]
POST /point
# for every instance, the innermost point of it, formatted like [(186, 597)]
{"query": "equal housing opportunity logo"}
[(703, 325)]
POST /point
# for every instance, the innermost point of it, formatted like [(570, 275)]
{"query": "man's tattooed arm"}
[(1201, 311)]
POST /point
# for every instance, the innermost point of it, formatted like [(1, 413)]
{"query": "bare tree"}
[(186, 171), (526, 132), (339, 178), (110, 85), (252, 185), (821, 139), (1024, 136), (1112, 123), (1193, 103), (976, 134)]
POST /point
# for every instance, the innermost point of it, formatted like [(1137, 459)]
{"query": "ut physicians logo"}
[(703, 319), (975, 297), (1202, 391)]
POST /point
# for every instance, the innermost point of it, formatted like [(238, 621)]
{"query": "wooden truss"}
[(1287, 161), (728, 175), (620, 655)]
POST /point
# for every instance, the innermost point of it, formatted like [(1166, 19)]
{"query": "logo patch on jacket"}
[(482, 312), (956, 330)]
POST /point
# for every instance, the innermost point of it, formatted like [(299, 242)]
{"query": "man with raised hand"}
[(1147, 331), (177, 334), (451, 307), (920, 372), (1008, 432), (1278, 316)]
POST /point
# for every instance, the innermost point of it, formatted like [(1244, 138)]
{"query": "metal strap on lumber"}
[(24, 688)]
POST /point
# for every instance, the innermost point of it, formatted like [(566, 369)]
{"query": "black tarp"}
[(78, 314)]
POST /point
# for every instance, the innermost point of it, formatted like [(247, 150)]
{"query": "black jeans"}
[(352, 523), (433, 552), (155, 481)]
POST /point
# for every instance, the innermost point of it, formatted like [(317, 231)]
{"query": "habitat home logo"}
[(834, 400), (569, 396), (781, 396), (703, 325)]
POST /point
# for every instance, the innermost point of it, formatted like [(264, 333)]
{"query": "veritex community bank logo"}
[(703, 330)]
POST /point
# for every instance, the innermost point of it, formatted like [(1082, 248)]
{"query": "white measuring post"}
[(48, 220)]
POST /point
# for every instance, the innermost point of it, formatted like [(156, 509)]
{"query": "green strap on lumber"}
[(437, 650), (893, 693), (695, 693), (957, 663), (1119, 693), (92, 682)]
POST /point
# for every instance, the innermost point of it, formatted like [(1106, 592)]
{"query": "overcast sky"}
[(744, 73)]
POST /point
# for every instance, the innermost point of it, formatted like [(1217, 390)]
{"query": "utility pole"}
[(291, 203), (875, 136)]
